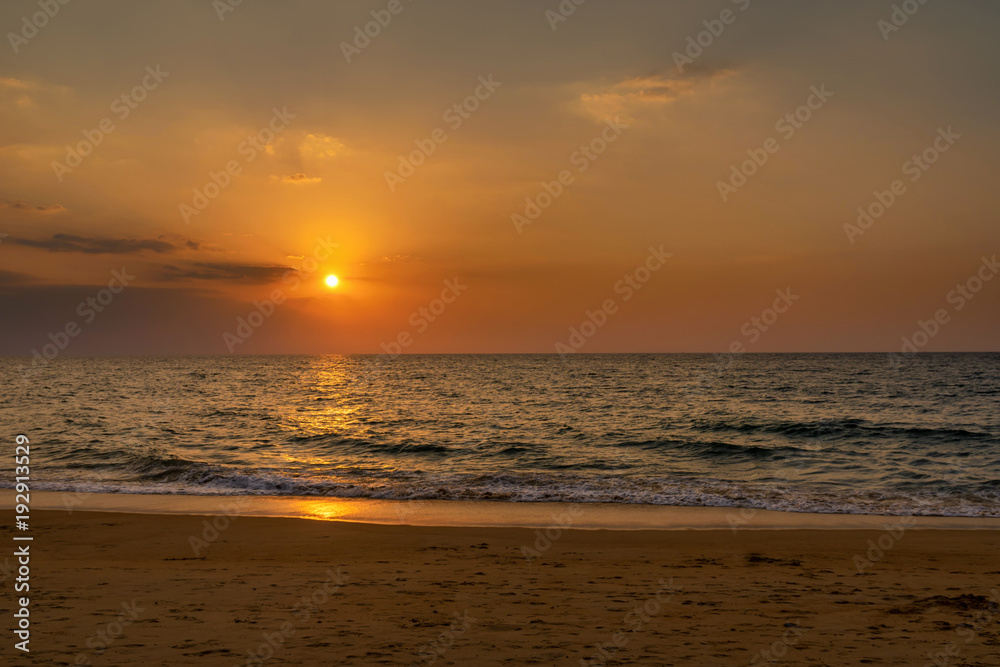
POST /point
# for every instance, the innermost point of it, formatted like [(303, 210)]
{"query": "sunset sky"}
[(546, 88)]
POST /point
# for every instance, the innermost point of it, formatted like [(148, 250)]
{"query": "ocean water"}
[(837, 433)]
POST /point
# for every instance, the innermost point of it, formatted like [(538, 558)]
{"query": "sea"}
[(827, 433)]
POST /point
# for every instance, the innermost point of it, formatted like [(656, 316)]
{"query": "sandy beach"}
[(142, 589)]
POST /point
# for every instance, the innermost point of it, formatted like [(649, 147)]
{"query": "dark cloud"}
[(247, 273), (13, 278), (97, 246), (22, 205)]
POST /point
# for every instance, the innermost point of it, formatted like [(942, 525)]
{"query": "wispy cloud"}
[(15, 84), (321, 146), (13, 278), (627, 97), (22, 205), (245, 273), (297, 179), (97, 246), (11, 83), (24, 94)]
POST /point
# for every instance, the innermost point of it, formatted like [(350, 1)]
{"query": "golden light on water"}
[(328, 510)]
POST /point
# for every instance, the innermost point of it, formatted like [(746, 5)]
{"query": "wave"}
[(840, 428), (717, 449), (335, 443), (714, 449), (982, 500)]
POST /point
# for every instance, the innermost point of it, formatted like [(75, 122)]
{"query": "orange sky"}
[(531, 100)]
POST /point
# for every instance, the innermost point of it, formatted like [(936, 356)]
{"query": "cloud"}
[(297, 179), (13, 278), (320, 146), (97, 246), (23, 205), (31, 156), (246, 273), (10, 83), (639, 92), (18, 84), (24, 94)]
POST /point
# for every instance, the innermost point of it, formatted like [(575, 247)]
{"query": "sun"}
[(332, 280)]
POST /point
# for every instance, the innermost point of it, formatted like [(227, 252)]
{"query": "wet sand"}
[(146, 589), (482, 514)]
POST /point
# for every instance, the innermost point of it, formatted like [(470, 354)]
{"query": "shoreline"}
[(486, 514)]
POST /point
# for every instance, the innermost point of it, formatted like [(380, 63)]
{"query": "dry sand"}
[(469, 596)]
